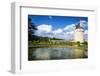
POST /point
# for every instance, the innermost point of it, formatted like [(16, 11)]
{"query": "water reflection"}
[(78, 53), (55, 53)]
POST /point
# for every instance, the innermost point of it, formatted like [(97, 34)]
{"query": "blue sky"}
[(57, 26)]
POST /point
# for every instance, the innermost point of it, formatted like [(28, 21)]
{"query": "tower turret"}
[(79, 32)]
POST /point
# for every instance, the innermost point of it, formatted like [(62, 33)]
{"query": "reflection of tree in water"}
[(55, 53), (60, 53), (67, 54), (31, 52), (42, 54)]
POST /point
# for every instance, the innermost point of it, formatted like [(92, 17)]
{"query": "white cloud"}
[(44, 28), (71, 32), (58, 31), (63, 33), (84, 23), (68, 32), (69, 28), (86, 32)]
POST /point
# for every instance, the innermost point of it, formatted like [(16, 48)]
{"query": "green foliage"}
[(85, 44), (78, 43), (50, 41), (31, 30)]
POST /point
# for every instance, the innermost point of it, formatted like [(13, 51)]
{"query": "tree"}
[(31, 29), (85, 44), (78, 43)]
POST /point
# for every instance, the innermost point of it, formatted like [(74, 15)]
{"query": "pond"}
[(56, 53)]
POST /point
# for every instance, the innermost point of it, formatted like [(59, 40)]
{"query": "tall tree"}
[(31, 29)]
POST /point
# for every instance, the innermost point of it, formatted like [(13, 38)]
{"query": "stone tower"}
[(79, 33)]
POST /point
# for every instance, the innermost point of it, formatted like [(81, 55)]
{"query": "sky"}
[(62, 27)]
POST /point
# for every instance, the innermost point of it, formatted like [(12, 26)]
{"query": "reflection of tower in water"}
[(78, 53)]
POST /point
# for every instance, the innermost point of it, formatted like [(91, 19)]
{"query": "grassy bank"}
[(57, 44)]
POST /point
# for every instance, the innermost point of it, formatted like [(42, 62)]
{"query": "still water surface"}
[(55, 53)]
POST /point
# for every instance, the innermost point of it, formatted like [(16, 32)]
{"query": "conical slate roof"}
[(78, 26)]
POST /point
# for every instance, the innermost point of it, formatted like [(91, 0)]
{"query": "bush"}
[(78, 43)]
